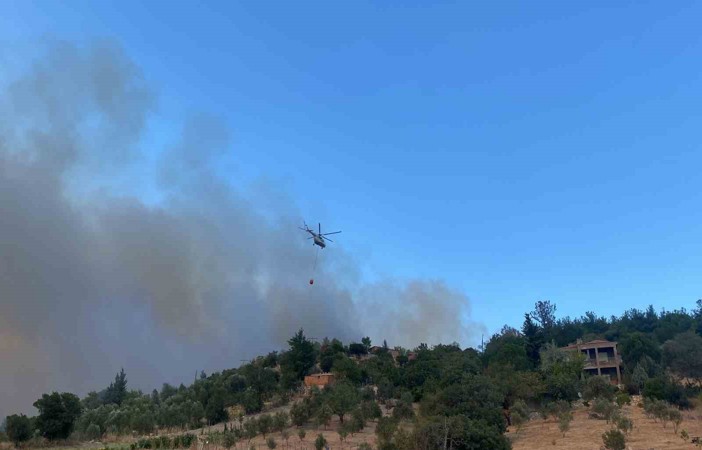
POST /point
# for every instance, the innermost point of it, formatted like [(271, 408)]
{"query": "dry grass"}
[(586, 433)]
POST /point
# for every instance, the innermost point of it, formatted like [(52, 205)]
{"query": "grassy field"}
[(586, 433)]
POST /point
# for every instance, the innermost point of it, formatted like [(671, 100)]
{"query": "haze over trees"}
[(435, 396)]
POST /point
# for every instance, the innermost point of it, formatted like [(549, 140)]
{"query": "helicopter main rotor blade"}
[(333, 232), (327, 239), (320, 228)]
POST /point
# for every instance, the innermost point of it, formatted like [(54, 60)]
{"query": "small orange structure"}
[(319, 379)]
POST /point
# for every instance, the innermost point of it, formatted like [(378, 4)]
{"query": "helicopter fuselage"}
[(319, 241)]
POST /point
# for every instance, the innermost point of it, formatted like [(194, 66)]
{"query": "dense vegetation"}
[(452, 397)]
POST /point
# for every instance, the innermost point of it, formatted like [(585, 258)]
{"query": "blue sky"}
[(518, 150)]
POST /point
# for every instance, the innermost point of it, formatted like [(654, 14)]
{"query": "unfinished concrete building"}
[(601, 358)]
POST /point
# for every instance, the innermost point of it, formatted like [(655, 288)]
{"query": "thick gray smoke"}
[(112, 256)]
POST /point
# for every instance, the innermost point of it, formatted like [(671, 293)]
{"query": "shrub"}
[(365, 446), (623, 398), (624, 424), (371, 410), (598, 386), (564, 420), (18, 429), (93, 431), (603, 409), (320, 442), (270, 442), (614, 440), (301, 434), (519, 414)]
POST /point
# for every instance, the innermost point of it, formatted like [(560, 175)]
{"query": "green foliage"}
[(625, 424), (564, 420), (18, 429), (343, 397), (93, 431), (215, 412), (298, 360), (561, 371), (280, 421), (614, 440), (320, 442), (229, 440), (623, 398), (475, 397), (507, 348), (117, 391), (635, 346), (57, 414), (403, 410), (385, 430), (519, 414), (301, 433), (683, 355), (675, 416), (358, 421), (371, 410), (346, 369), (265, 423), (270, 442), (299, 414), (364, 446), (665, 388), (459, 432), (598, 386), (603, 409), (184, 441), (324, 415)]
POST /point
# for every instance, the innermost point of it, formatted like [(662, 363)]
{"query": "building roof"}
[(593, 343)]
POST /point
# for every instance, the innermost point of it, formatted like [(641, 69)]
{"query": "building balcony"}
[(603, 362)]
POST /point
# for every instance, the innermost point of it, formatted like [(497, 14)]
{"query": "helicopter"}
[(319, 238)]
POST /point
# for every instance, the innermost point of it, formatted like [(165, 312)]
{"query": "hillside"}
[(397, 399)]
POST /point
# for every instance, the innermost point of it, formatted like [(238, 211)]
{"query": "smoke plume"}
[(114, 255)]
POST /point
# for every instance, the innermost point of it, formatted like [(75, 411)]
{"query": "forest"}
[(434, 397)]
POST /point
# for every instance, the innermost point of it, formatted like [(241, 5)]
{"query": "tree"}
[(93, 431), (564, 420), (265, 422), (624, 424), (320, 442), (324, 415), (280, 421), (301, 434), (18, 429), (371, 410), (614, 440), (155, 399), (598, 386), (357, 349), (57, 414), (229, 440), (684, 355), (385, 429), (519, 414), (366, 341), (270, 442), (342, 399), (297, 361), (635, 346), (676, 417), (299, 413), (117, 390), (358, 421), (215, 411)]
